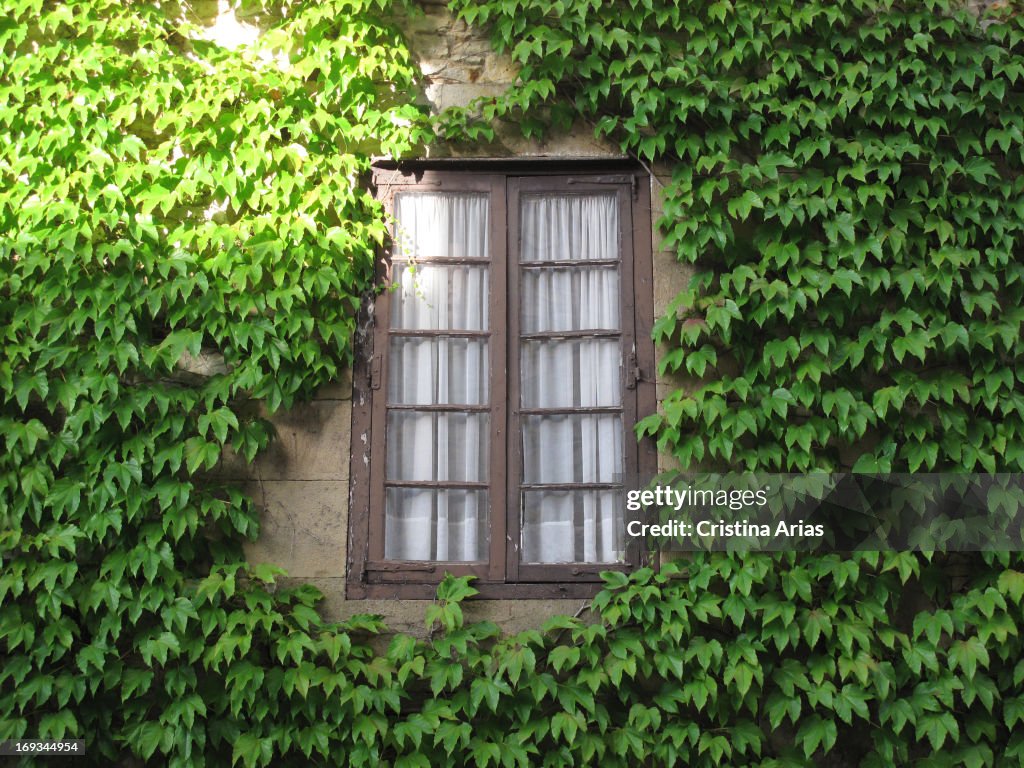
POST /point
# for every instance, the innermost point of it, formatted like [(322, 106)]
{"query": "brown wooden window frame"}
[(369, 575)]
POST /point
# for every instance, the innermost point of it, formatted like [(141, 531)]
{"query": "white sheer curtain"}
[(570, 299), (445, 225), (581, 373), (578, 525), (437, 371), (427, 524), (438, 449), (569, 227), (572, 526), (435, 297), (438, 523)]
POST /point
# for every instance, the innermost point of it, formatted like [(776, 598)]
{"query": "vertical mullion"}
[(627, 254), (497, 365), (379, 412), (645, 395), (628, 322), (514, 443)]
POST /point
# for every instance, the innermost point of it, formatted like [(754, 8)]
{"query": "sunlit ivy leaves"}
[(846, 177), (186, 238)]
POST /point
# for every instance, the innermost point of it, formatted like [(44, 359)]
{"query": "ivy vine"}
[(165, 200), (846, 178)]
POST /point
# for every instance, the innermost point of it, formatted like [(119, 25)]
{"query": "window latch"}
[(633, 372), (375, 372)]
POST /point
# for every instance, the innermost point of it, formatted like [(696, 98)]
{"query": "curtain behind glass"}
[(446, 225), (430, 446), (571, 525), (569, 227)]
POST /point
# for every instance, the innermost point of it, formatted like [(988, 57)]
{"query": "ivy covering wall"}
[(844, 175)]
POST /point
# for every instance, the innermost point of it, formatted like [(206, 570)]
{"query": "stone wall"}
[(459, 65), (301, 483)]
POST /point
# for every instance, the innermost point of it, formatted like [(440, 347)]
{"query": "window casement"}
[(496, 388)]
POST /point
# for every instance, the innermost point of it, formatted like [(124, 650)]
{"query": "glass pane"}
[(564, 227), (570, 299), (441, 224), (439, 298), (576, 448), (583, 373), (573, 527), (437, 371), (431, 524), (437, 446)]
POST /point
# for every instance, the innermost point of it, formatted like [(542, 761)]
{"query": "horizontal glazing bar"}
[(388, 566), (569, 263), (423, 333), (446, 408), (398, 263), (435, 484), (558, 411), (570, 486), (589, 334)]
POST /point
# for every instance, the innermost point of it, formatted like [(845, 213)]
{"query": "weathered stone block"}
[(407, 615), (337, 390), (312, 443), (442, 97), (303, 527), (498, 69), (670, 277)]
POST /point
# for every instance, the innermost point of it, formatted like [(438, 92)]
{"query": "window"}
[(498, 387)]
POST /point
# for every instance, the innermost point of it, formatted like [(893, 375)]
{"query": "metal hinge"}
[(633, 372), (375, 372)]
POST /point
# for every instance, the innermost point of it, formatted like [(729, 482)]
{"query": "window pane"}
[(437, 371), (563, 227), (453, 225), (430, 524), (577, 448), (570, 299), (573, 527), (439, 298), (582, 373), (437, 446)]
